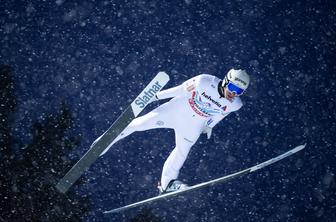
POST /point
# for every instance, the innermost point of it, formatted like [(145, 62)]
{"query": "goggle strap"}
[(226, 81)]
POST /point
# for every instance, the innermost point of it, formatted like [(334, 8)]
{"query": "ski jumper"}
[(196, 104)]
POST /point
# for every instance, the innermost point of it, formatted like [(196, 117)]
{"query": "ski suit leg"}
[(177, 157), (158, 118)]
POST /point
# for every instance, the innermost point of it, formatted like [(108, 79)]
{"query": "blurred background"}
[(69, 68)]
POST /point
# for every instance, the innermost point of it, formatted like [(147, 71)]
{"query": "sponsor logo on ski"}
[(144, 98)]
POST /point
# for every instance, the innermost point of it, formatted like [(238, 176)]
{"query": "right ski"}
[(211, 182), (142, 100)]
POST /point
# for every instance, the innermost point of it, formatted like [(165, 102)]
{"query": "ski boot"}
[(174, 185)]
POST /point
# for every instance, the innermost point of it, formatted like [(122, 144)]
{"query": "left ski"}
[(211, 182), (99, 147)]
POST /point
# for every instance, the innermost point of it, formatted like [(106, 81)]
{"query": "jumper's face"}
[(228, 94), (231, 90)]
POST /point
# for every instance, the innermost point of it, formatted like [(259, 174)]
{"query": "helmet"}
[(238, 77)]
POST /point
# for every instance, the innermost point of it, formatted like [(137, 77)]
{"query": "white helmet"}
[(238, 77)]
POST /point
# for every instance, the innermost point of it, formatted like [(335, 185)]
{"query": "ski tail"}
[(133, 110)]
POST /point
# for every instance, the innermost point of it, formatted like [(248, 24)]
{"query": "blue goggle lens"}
[(233, 88)]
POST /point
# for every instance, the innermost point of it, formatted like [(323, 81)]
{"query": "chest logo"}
[(211, 100)]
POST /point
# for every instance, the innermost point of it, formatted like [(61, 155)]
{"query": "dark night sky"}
[(96, 56)]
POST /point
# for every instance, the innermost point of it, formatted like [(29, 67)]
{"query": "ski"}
[(132, 111), (211, 182)]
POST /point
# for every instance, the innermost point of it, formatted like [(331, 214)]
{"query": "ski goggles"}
[(233, 88)]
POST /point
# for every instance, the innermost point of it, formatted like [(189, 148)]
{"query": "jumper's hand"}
[(154, 99), (208, 131)]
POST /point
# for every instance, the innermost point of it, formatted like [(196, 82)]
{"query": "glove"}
[(208, 131), (154, 99)]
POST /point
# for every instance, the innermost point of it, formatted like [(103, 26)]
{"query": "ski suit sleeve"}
[(170, 93), (182, 89)]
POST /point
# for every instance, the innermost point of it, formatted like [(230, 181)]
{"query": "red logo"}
[(193, 105)]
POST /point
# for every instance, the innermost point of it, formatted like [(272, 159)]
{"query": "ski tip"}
[(163, 75), (298, 148)]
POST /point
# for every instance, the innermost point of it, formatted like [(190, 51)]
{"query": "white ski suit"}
[(196, 105)]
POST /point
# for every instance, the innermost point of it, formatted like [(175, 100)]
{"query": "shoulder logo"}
[(190, 88)]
